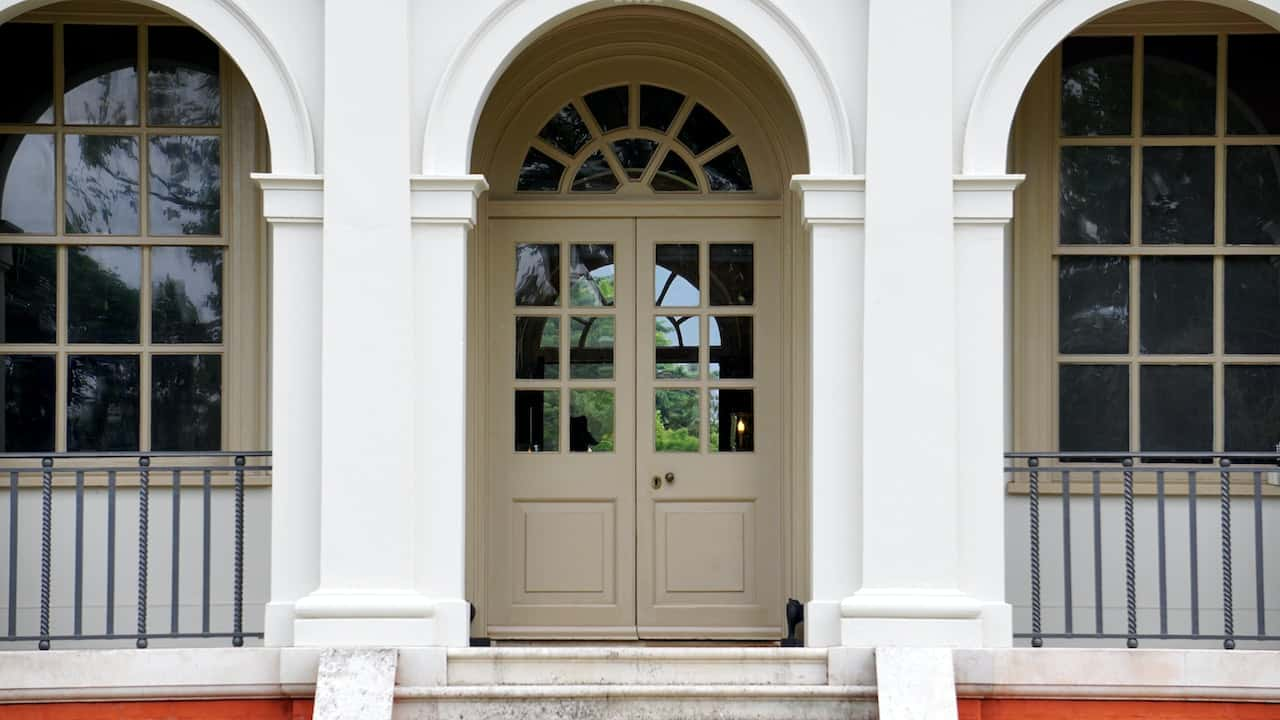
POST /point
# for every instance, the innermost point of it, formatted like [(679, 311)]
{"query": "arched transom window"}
[(634, 135)]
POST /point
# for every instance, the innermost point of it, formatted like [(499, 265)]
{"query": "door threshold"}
[(498, 642)]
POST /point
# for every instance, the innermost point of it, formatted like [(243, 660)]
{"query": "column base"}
[(277, 624), (392, 618), (911, 618), (822, 623)]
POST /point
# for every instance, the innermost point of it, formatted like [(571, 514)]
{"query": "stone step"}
[(637, 666)]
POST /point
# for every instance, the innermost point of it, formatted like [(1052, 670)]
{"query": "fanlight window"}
[(641, 134)]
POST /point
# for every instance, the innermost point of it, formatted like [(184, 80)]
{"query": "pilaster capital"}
[(984, 199), (291, 199), (445, 199), (831, 199)]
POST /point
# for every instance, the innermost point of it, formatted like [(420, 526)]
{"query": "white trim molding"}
[(445, 199), (832, 199), (985, 199), (291, 198)]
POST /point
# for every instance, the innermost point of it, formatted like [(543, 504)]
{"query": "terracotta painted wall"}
[(163, 710), (998, 709)]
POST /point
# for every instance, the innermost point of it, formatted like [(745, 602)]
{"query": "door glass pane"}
[(591, 421), (102, 402), (186, 294), (101, 74), (28, 95), (658, 107), (731, 423), (102, 184), (537, 348), (610, 107), (1177, 195), (1093, 305), (673, 175), (186, 185), (27, 194), (1097, 85), (1180, 78), (675, 424), (634, 155), (103, 285), (732, 275), (537, 416), (702, 130), (728, 172), (539, 173), (182, 78), (1253, 195), (1253, 106), (675, 347), (591, 348), (1252, 407), (566, 131), (186, 402), (595, 175), (1094, 196), (1093, 408), (1177, 306), (591, 275), (675, 276), (1176, 406), (1252, 305), (731, 347), (30, 293), (537, 275), (29, 396)]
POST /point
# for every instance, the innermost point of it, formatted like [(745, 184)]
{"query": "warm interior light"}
[(742, 425)]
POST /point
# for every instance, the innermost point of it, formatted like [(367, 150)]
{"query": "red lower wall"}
[(163, 710), (999, 709)]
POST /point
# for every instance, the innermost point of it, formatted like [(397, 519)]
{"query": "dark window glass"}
[(102, 403), (29, 390), (28, 95), (186, 294), (595, 175), (1093, 305), (673, 175), (103, 286), (610, 107), (1252, 305), (634, 155), (537, 416), (1179, 85), (1177, 195), (566, 131), (27, 191), (675, 275), (539, 172), (732, 348), (1253, 195), (1097, 85), (1252, 407), (101, 71), (658, 107), (702, 130), (186, 185), (675, 347), (1176, 406), (731, 421), (591, 348), (591, 275), (591, 421), (727, 172), (1094, 196), (182, 78), (30, 293), (102, 184), (1093, 408), (1177, 306), (186, 402), (537, 348), (1253, 105), (732, 274), (537, 274)]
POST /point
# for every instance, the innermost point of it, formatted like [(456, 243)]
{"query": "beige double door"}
[(634, 440)]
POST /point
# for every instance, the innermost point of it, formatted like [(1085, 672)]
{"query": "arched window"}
[(645, 134)]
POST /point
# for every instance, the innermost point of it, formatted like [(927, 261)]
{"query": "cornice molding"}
[(291, 199), (984, 199), (831, 199), (445, 199)]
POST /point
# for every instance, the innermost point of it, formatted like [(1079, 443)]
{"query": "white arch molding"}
[(480, 62), (986, 133), (293, 150)]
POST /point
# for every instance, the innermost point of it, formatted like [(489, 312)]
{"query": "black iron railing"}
[(111, 478), (1057, 482)]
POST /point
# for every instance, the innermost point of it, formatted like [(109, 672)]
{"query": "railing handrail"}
[(134, 454), (1122, 454)]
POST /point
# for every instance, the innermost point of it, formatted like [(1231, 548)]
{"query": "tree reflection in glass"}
[(103, 287), (182, 78), (186, 294), (102, 184), (675, 422), (101, 74), (676, 347), (591, 348), (591, 275), (102, 403), (27, 184), (186, 402), (186, 185)]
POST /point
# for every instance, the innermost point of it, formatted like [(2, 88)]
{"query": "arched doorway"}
[(635, 367)]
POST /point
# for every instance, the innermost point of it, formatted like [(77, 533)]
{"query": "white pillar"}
[(444, 214), (832, 208), (368, 592), (983, 208), (294, 206)]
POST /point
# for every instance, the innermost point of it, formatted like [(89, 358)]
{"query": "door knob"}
[(670, 477)]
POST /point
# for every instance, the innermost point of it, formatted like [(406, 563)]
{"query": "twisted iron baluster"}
[(1034, 496), (1228, 615), (46, 542), (144, 483), (237, 630), (1130, 575)]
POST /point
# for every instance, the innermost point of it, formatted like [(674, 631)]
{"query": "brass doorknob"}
[(670, 477)]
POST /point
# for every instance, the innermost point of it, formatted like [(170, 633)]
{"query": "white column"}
[(833, 213), (444, 214), (294, 207), (368, 592), (911, 590), (983, 208)]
